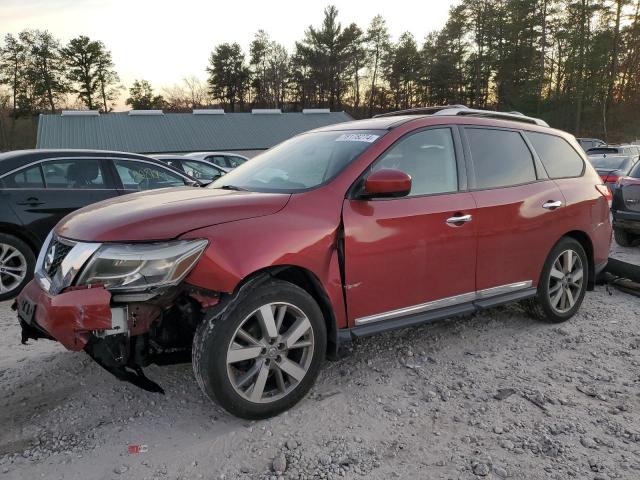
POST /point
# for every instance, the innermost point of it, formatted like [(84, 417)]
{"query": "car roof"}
[(196, 154), (17, 158)]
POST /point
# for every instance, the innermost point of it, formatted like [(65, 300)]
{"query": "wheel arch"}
[(309, 282), (22, 234), (584, 240)]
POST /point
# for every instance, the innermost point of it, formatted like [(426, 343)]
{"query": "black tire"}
[(28, 260), (214, 336), (624, 238), (540, 307)]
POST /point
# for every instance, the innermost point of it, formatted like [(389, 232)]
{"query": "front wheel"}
[(263, 354), (563, 283)]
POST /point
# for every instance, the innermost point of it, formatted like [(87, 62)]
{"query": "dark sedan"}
[(39, 187), (626, 209)]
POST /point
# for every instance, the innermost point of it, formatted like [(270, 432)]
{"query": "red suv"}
[(338, 233)]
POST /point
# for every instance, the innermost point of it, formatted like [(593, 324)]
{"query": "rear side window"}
[(26, 178), (76, 174), (560, 160), (501, 158)]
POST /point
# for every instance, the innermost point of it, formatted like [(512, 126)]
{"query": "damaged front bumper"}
[(83, 319)]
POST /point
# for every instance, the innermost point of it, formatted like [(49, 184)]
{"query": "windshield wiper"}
[(233, 187)]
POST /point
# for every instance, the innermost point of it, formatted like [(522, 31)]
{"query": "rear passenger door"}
[(518, 207), (54, 188)]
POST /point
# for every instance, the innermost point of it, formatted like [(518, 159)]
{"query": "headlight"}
[(140, 267)]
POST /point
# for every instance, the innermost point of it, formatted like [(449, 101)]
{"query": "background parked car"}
[(203, 171), (613, 162), (40, 187), (626, 208), (587, 143), (225, 160)]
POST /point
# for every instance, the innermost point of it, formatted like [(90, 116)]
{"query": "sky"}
[(165, 41)]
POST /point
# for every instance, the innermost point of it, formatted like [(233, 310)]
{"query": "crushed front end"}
[(124, 304)]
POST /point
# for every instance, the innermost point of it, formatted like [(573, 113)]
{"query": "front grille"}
[(56, 253), (631, 197)]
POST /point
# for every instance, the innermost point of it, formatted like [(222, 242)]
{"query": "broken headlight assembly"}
[(142, 267)]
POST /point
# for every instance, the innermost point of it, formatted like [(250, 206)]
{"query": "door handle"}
[(31, 201), (552, 205), (459, 219)]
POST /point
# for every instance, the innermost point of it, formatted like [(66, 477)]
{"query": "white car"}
[(203, 171), (227, 161)]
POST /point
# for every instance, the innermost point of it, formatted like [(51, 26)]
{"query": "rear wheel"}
[(17, 262), (563, 283), (625, 238), (263, 354)]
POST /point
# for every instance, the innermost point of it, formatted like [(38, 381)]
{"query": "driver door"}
[(405, 256)]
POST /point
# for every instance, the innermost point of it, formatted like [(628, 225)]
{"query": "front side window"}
[(428, 157), (560, 160), (74, 173), (26, 178), (501, 158), (146, 176), (300, 163)]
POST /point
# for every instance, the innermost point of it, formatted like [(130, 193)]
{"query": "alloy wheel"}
[(566, 280), (270, 352), (13, 268)]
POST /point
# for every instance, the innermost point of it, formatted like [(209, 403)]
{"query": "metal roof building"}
[(152, 131)]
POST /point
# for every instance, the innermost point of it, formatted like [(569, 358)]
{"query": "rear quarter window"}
[(559, 158), (30, 177)]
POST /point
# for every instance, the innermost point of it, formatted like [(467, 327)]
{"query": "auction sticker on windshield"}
[(357, 137)]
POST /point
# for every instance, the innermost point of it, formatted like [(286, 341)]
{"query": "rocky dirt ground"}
[(495, 395)]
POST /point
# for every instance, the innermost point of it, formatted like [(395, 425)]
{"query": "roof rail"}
[(463, 110), (420, 111)]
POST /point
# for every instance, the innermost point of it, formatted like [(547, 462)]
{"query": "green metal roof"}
[(177, 132)]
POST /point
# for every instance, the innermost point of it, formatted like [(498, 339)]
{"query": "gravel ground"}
[(495, 395)]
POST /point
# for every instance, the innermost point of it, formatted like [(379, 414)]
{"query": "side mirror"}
[(387, 183)]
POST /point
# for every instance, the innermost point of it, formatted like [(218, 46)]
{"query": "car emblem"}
[(49, 257)]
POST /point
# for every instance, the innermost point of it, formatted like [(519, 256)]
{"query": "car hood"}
[(164, 214)]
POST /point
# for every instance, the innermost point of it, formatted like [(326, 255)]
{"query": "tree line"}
[(575, 63)]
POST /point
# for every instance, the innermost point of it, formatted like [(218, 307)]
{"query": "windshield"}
[(611, 163), (301, 163)]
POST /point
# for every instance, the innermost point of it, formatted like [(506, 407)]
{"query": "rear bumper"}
[(626, 220), (69, 317)]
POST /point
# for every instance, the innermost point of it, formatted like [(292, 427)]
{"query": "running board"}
[(347, 334)]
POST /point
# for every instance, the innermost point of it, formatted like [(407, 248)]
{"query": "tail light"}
[(606, 193), (609, 178), (628, 181)]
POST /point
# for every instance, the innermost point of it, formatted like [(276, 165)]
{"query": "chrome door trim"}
[(445, 302), (502, 289)]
